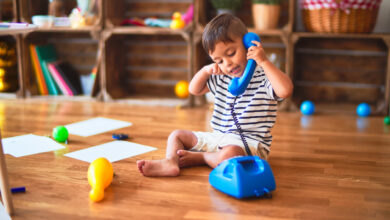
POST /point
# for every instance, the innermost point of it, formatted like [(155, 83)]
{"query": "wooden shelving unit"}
[(135, 64)]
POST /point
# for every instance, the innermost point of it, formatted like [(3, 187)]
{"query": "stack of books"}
[(54, 77)]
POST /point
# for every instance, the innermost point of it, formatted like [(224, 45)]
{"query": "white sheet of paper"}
[(3, 213), (95, 126), (29, 144), (112, 151)]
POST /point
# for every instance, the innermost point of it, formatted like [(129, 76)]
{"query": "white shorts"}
[(215, 141)]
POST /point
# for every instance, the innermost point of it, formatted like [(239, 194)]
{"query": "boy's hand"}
[(257, 53), (213, 69)]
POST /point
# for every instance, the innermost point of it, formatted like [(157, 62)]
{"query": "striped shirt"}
[(255, 108)]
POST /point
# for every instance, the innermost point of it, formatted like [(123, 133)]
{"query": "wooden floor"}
[(329, 166)]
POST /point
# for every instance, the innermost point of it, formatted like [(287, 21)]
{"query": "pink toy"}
[(189, 15)]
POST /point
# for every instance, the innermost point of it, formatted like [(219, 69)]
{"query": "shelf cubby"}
[(144, 66), (9, 11), (11, 80), (341, 68), (29, 8), (116, 12), (78, 48)]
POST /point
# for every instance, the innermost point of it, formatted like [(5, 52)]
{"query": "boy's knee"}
[(229, 152), (183, 136), (176, 133)]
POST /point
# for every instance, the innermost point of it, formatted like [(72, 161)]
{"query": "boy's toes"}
[(182, 162), (140, 164), (181, 153)]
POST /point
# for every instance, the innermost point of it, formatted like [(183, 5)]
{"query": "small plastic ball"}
[(363, 110), (60, 134), (181, 89), (386, 120), (307, 108)]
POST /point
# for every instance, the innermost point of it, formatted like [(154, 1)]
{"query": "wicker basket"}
[(343, 16)]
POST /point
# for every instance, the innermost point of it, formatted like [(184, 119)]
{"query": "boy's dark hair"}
[(222, 28)]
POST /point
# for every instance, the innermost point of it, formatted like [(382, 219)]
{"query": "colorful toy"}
[(60, 134), (100, 174), (18, 189), (386, 120), (120, 136), (363, 110), (238, 84), (189, 15), (307, 107), (177, 22), (243, 177), (154, 22), (134, 22), (181, 89), (76, 19)]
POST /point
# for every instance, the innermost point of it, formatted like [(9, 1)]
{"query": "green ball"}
[(387, 120), (60, 134)]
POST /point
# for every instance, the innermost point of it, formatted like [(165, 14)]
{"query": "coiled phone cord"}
[(248, 151)]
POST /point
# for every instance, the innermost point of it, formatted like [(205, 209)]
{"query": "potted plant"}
[(266, 14), (226, 6)]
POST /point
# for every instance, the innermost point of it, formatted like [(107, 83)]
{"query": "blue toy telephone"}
[(243, 177), (238, 85)]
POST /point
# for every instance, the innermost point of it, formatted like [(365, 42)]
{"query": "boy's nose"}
[(228, 62)]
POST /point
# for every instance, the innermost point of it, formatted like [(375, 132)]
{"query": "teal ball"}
[(386, 120)]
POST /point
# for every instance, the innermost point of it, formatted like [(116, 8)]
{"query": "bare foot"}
[(162, 167), (190, 158)]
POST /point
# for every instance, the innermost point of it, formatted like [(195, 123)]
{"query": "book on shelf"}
[(70, 76), (59, 79), (46, 53), (38, 71), (66, 77)]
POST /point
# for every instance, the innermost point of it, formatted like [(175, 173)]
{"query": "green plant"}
[(269, 2), (226, 4)]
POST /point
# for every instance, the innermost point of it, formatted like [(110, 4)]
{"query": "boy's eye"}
[(232, 54)]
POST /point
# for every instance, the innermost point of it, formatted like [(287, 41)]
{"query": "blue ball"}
[(307, 108), (363, 110)]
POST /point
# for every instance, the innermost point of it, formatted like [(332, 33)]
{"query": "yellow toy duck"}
[(177, 22)]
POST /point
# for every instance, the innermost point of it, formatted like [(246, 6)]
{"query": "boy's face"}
[(230, 57)]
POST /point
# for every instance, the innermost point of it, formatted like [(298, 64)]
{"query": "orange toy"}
[(181, 89), (100, 175), (177, 22)]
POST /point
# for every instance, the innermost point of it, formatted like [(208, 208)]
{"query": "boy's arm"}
[(198, 84), (280, 82)]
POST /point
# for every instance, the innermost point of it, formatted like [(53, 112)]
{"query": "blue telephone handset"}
[(238, 85)]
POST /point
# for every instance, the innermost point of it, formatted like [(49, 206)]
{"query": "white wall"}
[(382, 24)]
